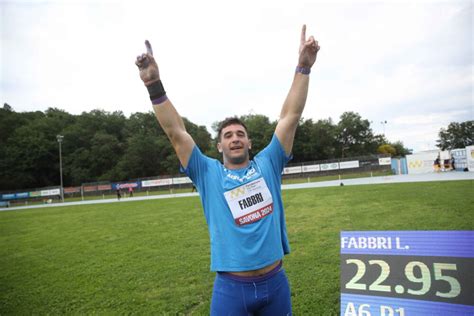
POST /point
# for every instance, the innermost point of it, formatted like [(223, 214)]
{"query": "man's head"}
[(233, 142)]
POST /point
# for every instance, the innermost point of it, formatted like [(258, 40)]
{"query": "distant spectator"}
[(130, 192), (437, 164), (447, 164), (119, 194), (452, 164)]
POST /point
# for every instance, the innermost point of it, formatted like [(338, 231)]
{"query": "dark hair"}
[(229, 121)]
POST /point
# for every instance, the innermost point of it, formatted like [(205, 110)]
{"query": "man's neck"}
[(232, 166)]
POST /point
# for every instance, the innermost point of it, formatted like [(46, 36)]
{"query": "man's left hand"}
[(308, 50)]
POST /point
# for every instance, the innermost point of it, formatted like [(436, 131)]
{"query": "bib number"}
[(250, 202)]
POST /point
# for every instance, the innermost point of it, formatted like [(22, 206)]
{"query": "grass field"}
[(152, 257)]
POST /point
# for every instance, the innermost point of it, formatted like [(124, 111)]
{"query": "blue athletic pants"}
[(265, 295)]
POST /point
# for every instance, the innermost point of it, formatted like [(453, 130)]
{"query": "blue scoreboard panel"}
[(406, 273)]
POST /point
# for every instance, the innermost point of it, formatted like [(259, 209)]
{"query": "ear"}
[(250, 144), (219, 147)]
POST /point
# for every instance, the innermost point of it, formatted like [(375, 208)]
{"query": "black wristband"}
[(156, 90)]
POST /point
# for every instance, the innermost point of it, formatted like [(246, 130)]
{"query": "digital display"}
[(408, 273)]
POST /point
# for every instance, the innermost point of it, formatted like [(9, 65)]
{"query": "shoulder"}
[(199, 161), (274, 155), (273, 148)]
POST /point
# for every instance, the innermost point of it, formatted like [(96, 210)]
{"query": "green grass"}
[(152, 257)]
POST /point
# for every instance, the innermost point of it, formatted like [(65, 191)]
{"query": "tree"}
[(314, 141), (400, 149), (146, 150), (103, 151), (387, 149), (11, 120), (7, 107), (457, 135), (260, 131), (104, 146), (146, 155), (199, 133), (93, 144), (29, 156), (354, 136)]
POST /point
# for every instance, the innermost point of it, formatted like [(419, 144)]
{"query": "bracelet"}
[(303, 70), (156, 90), (159, 100)]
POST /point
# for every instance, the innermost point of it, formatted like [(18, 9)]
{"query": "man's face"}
[(234, 144)]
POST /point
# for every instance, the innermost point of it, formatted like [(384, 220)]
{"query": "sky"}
[(409, 63)]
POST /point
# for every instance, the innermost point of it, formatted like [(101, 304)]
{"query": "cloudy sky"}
[(409, 63)]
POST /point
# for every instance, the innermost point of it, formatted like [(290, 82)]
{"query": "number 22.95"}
[(424, 279)]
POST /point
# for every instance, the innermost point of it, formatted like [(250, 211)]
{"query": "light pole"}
[(383, 125), (60, 140)]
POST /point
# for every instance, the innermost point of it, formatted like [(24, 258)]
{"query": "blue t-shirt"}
[(243, 208)]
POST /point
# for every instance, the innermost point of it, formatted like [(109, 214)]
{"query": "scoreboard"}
[(405, 273)]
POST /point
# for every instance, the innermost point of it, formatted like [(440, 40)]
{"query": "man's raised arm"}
[(296, 99), (165, 112)]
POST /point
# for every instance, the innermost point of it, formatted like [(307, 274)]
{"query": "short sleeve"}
[(198, 165), (275, 154)]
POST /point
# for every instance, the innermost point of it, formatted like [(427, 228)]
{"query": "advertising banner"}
[(104, 187), (407, 273), (349, 164), (329, 166), (470, 158), (421, 162), (50, 192), (385, 161), (460, 159), (312, 168), (182, 180), (133, 185), (72, 190), (22, 195), (291, 170), (157, 182), (89, 188), (12, 196)]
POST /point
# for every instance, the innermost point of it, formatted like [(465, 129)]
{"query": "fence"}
[(341, 166), (44, 195), (153, 185)]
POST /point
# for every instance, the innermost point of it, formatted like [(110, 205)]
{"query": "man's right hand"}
[(147, 66)]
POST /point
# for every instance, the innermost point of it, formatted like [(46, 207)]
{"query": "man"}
[(241, 198)]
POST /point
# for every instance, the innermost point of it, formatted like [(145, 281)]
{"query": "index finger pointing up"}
[(303, 34), (149, 50)]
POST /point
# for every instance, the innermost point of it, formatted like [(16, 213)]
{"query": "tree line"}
[(104, 146)]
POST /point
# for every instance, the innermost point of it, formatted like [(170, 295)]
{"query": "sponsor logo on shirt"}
[(249, 174)]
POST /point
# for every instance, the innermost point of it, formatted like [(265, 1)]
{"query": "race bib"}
[(250, 202)]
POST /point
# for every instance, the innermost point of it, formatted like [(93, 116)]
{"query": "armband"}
[(156, 91), (159, 100)]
